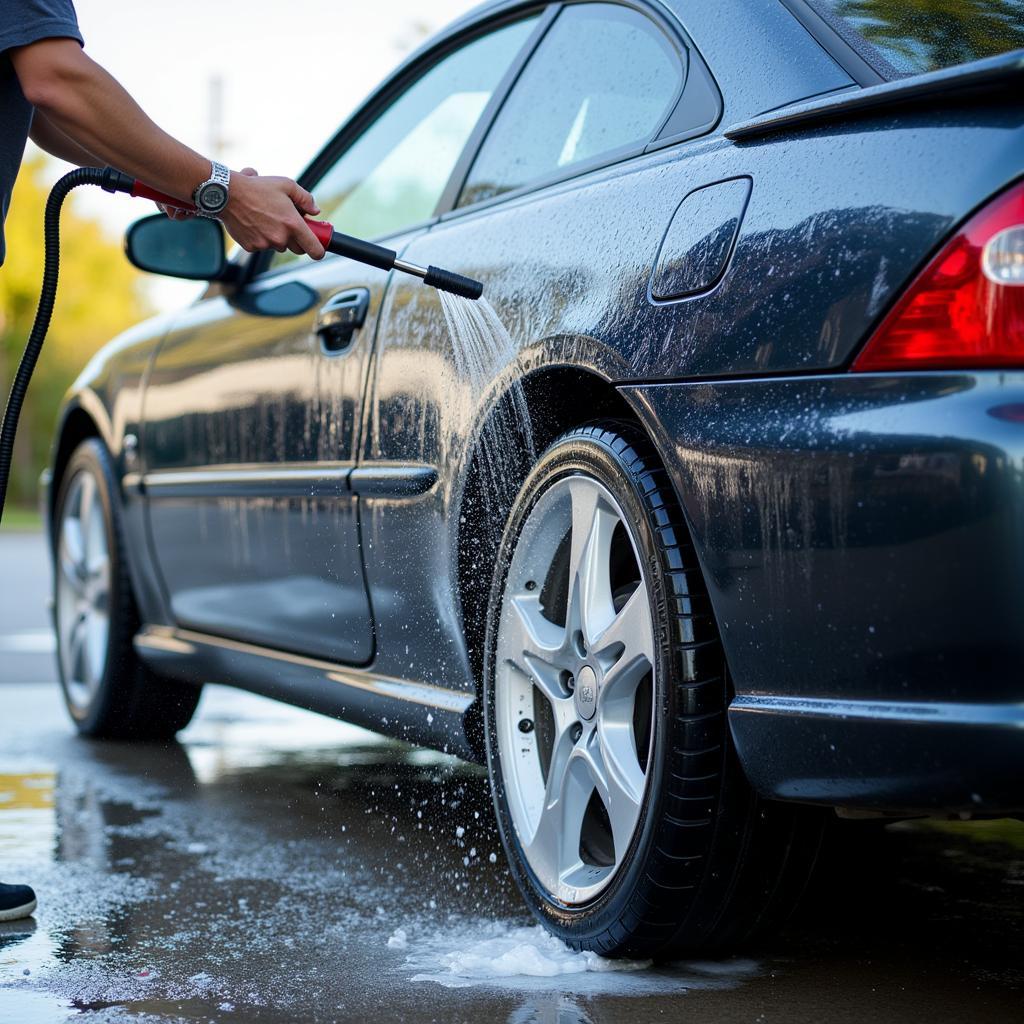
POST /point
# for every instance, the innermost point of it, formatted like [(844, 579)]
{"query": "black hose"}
[(51, 268)]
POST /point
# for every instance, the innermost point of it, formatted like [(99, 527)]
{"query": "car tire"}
[(628, 823), (108, 691)]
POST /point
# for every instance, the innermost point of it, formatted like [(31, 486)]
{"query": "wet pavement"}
[(279, 866)]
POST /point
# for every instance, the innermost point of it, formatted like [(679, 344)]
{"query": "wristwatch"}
[(212, 195)]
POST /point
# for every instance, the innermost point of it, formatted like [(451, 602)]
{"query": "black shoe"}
[(16, 901)]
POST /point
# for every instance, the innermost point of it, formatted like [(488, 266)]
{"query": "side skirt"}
[(419, 713)]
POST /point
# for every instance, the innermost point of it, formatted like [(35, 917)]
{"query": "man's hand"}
[(253, 222), (267, 213)]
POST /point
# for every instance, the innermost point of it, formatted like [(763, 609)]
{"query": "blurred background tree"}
[(99, 294)]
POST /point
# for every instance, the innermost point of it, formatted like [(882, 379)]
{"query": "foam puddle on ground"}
[(528, 958), (510, 954)]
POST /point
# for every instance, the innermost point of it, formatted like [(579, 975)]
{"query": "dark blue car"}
[(724, 534)]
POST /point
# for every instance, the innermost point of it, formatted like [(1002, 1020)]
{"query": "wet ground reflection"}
[(278, 866)]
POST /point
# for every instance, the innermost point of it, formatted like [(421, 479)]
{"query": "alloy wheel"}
[(574, 688)]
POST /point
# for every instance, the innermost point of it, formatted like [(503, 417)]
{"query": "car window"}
[(913, 36), (603, 78), (394, 173)]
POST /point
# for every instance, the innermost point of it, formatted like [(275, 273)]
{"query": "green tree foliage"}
[(100, 294), (918, 35)]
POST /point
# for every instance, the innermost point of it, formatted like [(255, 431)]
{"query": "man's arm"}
[(89, 106), (46, 135)]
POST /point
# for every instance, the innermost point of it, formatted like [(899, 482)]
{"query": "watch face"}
[(213, 197)]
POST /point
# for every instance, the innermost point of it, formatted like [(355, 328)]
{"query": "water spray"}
[(111, 180)]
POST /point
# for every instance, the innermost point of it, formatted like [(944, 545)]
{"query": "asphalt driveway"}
[(279, 866)]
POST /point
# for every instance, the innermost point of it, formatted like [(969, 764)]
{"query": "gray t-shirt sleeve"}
[(27, 21)]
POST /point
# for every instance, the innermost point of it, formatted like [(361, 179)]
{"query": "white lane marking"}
[(36, 641)]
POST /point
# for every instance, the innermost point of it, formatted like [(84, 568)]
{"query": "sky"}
[(291, 71)]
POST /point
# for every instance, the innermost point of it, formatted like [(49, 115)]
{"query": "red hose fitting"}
[(323, 231), (142, 191)]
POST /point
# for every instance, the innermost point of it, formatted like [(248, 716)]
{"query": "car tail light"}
[(966, 308)]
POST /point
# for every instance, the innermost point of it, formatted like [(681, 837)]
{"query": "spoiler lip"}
[(992, 74)]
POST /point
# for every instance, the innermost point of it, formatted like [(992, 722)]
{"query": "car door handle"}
[(340, 317)]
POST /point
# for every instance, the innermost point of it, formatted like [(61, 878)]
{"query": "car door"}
[(254, 401), (560, 215)]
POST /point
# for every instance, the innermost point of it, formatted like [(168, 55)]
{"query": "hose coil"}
[(44, 311)]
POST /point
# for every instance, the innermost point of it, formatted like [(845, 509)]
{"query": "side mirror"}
[(192, 248)]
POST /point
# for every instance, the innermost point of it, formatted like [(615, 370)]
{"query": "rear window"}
[(906, 37)]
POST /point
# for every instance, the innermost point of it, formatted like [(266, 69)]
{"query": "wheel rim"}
[(574, 688), (83, 591)]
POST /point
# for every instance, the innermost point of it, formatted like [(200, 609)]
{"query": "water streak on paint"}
[(482, 346)]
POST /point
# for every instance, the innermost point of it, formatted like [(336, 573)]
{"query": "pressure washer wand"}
[(387, 259), (353, 248)]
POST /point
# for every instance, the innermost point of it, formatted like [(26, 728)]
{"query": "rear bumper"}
[(862, 537)]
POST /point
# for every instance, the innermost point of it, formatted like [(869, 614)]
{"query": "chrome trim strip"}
[(159, 639), (167, 639), (327, 481), (319, 481), (1009, 714), (392, 481), (132, 483)]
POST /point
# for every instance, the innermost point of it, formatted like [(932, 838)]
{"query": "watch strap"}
[(219, 175)]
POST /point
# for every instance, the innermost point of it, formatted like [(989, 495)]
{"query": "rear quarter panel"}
[(838, 221)]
